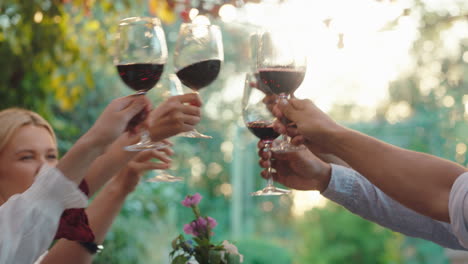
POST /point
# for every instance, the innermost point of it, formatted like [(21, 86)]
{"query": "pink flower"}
[(191, 200), (201, 222), (212, 222), (200, 226), (189, 229)]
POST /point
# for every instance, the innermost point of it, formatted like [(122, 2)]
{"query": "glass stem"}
[(145, 136), (269, 176), (284, 120)]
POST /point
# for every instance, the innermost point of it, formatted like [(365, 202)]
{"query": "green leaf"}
[(214, 257), (181, 259)]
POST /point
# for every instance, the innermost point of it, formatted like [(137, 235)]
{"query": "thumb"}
[(135, 107), (191, 98), (287, 109)]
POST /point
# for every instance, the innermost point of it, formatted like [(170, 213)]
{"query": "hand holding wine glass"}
[(141, 56), (281, 66), (177, 114), (198, 56), (257, 115)]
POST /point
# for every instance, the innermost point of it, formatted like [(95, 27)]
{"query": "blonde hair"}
[(12, 119)]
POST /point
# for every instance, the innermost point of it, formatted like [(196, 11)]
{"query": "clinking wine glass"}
[(257, 104), (140, 59), (281, 65), (175, 88), (198, 56)]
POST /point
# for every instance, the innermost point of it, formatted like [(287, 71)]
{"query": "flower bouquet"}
[(200, 249)]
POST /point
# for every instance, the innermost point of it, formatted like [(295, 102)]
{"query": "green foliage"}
[(333, 235)]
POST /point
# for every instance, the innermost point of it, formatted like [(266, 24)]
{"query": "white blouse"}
[(29, 221), (458, 208)]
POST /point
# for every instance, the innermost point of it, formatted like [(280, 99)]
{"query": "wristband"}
[(92, 247)]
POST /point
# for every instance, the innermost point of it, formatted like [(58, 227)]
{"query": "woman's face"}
[(20, 160)]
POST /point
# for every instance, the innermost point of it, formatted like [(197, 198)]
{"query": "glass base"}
[(164, 177), (284, 147), (270, 191), (145, 143), (141, 146), (193, 134)]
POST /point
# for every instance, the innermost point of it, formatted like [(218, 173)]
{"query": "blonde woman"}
[(31, 205), (30, 145)]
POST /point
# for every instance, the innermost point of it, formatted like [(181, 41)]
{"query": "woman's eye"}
[(52, 156), (26, 157)]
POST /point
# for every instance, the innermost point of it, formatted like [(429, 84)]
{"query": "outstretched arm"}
[(304, 170), (419, 181)]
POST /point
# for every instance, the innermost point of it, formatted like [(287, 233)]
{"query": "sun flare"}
[(352, 54)]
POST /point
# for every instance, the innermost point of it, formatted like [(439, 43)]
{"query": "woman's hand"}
[(175, 115), (129, 176), (116, 117)]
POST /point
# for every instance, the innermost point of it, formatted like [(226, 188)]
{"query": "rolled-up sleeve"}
[(354, 192), (28, 221)]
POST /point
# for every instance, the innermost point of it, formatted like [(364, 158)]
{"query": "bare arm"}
[(105, 130), (175, 115), (420, 181), (110, 163), (105, 208)]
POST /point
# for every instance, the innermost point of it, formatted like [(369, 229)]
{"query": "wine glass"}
[(257, 115), (197, 58), (140, 59), (175, 88), (281, 66)]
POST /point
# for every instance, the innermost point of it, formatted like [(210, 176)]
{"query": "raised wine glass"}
[(174, 88), (140, 58), (256, 112), (281, 65), (198, 57)]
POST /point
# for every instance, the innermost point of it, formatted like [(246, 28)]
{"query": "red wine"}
[(261, 85), (200, 74), (282, 80), (140, 76), (263, 130), (136, 120)]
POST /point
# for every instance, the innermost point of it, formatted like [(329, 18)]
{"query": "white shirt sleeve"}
[(29, 221), (458, 208), (354, 192)]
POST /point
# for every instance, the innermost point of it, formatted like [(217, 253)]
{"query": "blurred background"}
[(393, 69)]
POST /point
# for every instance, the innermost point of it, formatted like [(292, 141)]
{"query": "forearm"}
[(110, 163), (77, 160), (419, 181), (104, 209), (101, 214)]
